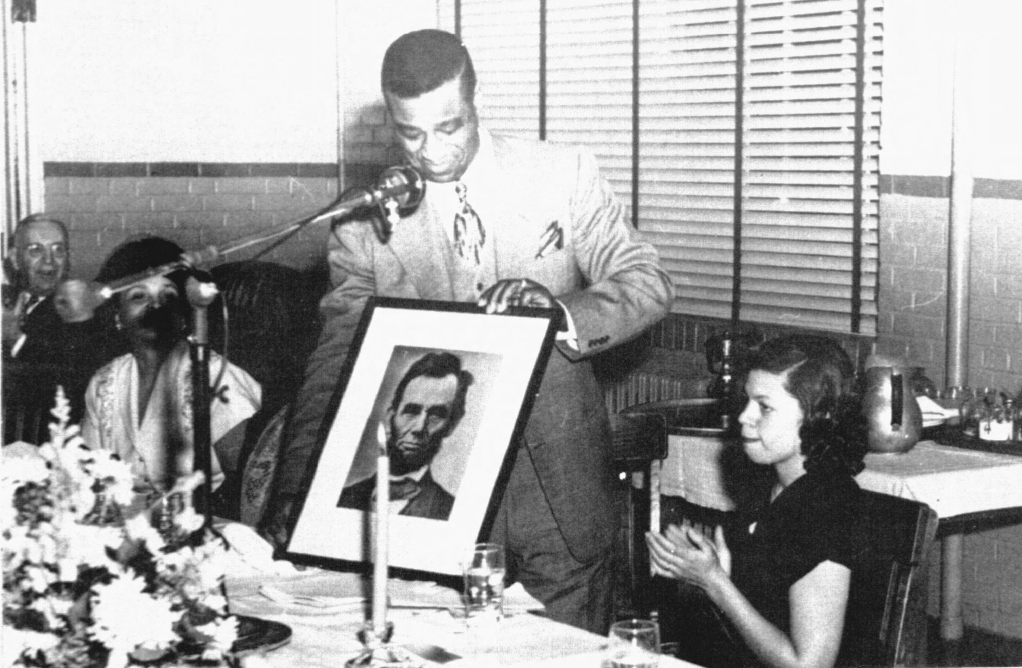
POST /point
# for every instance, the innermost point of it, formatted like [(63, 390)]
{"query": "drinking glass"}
[(484, 570), (634, 643)]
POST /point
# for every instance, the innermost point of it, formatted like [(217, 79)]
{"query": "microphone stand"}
[(200, 296)]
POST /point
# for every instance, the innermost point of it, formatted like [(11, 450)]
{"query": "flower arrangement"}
[(88, 580)]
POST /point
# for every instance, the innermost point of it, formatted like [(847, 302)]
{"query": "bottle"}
[(1009, 418), (1016, 427), (969, 412)]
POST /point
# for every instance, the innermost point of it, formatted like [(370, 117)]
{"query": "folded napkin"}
[(934, 413), (249, 553)]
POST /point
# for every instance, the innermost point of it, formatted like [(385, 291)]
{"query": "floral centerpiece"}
[(88, 580)]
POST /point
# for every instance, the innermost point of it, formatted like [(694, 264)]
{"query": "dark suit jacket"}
[(432, 502), (608, 280), (54, 353)]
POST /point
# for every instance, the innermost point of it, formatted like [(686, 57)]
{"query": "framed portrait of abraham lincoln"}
[(445, 390)]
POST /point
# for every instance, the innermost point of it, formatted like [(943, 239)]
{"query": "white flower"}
[(124, 617), (22, 468), (16, 641), (222, 634), (52, 608), (137, 528), (88, 545)]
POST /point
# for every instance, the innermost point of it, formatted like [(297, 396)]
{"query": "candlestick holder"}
[(380, 653)]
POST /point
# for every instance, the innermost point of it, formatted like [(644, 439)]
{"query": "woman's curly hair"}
[(820, 375)]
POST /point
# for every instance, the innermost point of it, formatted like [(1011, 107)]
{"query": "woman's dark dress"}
[(810, 522)]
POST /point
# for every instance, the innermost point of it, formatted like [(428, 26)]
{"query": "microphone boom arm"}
[(398, 189)]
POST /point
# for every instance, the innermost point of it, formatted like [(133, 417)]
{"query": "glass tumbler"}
[(634, 643), (484, 570)]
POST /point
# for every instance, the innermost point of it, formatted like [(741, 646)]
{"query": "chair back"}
[(273, 323), (638, 444), (637, 439), (886, 624), (272, 327)]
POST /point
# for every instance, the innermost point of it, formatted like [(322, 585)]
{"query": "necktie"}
[(469, 235)]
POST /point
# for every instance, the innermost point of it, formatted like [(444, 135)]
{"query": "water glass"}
[(484, 570), (634, 643)]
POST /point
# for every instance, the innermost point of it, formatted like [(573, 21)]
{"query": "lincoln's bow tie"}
[(404, 488)]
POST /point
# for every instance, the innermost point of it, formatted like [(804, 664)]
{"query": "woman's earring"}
[(117, 323)]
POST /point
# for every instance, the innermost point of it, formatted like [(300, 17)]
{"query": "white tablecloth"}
[(326, 638), (952, 481)]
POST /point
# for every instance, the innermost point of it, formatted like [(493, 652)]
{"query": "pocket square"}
[(552, 239)]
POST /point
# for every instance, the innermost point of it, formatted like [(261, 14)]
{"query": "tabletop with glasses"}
[(326, 610)]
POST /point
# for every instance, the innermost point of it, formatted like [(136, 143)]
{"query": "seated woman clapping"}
[(779, 586), (140, 404)]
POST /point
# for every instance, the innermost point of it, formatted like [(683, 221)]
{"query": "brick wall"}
[(194, 204), (913, 306), (913, 276)]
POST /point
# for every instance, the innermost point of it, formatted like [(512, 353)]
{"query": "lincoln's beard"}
[(406, 461)]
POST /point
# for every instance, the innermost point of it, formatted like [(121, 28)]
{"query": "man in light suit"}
[(428, 403), (503, 222)]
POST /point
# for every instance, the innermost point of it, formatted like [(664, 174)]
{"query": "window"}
[(744, 135)]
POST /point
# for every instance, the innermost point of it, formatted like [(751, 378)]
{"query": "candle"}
[(382, 516)]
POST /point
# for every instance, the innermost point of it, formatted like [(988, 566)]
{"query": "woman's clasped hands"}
[(684, 553)]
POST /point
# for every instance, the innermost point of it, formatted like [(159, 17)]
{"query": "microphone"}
[(76, 300), (401, 185), (398, 189)]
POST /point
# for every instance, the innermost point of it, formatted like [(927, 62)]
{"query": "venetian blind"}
[(805, 241), (799, 167), (503, 38)]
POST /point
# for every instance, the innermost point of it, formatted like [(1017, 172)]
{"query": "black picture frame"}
[(505, 356)]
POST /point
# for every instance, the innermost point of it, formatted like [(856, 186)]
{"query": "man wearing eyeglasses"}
[(40, 350)]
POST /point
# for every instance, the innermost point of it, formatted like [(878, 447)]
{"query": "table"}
[(327, 637), (955, 482)]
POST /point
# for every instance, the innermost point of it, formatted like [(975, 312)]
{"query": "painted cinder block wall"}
[(914, 213), (196, 205)]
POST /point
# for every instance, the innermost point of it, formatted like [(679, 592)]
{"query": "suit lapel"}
[(429, 271)]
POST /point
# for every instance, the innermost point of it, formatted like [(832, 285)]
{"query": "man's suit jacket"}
[(54, 353), (609, 281), (432, 502)]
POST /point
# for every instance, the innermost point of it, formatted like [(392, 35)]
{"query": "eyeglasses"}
[(37, 251)]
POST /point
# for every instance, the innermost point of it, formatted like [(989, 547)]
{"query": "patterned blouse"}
[(159, 444)]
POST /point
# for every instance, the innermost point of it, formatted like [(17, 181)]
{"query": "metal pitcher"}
[(889, 403)]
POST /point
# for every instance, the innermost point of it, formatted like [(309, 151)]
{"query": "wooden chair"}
[(639, 443), (886, 621)]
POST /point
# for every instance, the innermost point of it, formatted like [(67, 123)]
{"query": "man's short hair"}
[(28, 221), (421, 61), (437, 365)]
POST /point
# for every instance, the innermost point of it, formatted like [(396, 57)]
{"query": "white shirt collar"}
[(416, 475)]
